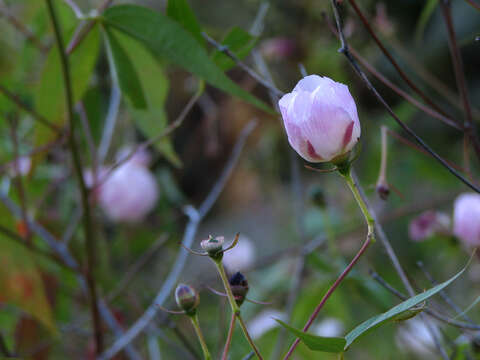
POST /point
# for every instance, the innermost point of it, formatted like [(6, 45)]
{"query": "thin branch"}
[(87, 129), (146, 257), (473, 4), (87, 218), (345, 50), (229, 337), (268, 85), (195, 217), (460, 75), (395, 88), (23, 29), (84, 28), (16, 99), (402, 74), (110, 120)]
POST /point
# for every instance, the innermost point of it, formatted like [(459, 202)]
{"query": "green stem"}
[(198, 331), (235, 307), (77, 164), (363, 206), (345, 172)]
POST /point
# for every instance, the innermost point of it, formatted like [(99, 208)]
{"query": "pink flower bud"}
[(466, 218), (427, 224), (320, 118), (129, 193)]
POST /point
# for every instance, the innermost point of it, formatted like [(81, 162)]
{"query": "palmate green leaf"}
[(317, 343), (167, 39), (21, 283), (239, 42), (144, 75), (49, 94), (396, 312), (181, 12)]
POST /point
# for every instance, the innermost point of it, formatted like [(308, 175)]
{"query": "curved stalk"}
[(346, 174)]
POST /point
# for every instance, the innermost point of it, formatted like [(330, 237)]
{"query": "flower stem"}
[(235, 307), (198, 331), (370, 239), (229, 337)]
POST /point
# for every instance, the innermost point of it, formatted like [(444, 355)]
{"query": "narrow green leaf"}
[(167, 39), (181, 12), (151, 120), (425, 16), (469, 307), (317, 343), (395, 312), (126, 73), (239, 42)]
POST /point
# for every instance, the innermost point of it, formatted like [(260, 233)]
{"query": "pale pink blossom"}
[(427, 224), (466, 218), (140, 157), (129, 193), (320, 117)]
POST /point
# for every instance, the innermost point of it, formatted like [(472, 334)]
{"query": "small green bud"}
[(239, 285), (187, 298), (214, 247)]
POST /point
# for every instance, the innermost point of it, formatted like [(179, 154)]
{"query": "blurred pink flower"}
[(320, 117), (140, 157), (466, 218), (427, 224), (278, 47), (264, 322)]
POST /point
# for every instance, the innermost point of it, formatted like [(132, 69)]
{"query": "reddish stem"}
[(229, 337), (330, 292)]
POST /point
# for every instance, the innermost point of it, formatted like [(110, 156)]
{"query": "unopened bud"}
[(239, 285), (187, 298), (213, 246), (383, 190)]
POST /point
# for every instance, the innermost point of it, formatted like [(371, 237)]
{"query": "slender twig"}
[(195, 217), (224, 49), (249, 356), (24, 30), (395, 88), (136, 267), (460, 75), (231, 328), (402, 74), (75, 8), (75, 219), (84, 28), (169, 129), (345, 50), (87, 218), (16, 99), (18, 178), (473, 4)]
